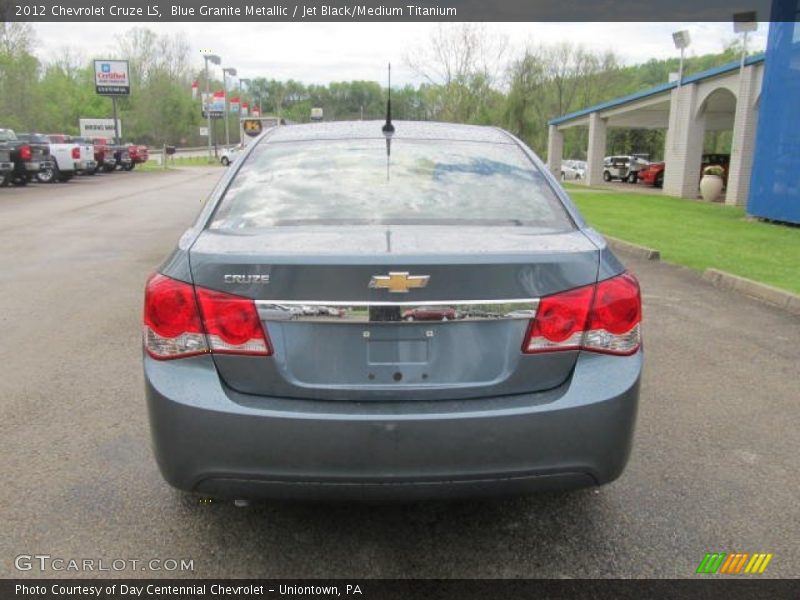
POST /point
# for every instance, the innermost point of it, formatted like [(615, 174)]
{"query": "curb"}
[(766, 293), (633, 249)]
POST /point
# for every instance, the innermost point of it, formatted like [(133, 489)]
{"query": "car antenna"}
[(388, 127)]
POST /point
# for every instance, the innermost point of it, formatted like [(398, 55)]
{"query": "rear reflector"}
[(601, 318), (180, 321)]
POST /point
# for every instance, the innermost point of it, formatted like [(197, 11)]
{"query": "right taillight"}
[(76, 153), (181, 320), (25, 152), (604, 318)]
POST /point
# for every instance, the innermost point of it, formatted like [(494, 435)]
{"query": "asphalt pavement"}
[(714, 465)]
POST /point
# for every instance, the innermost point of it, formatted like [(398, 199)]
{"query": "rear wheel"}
[(4, 181), (633, 177), (49, 175), (606, 176), (20, 181), (65, 177), (225, 162), (129, 167), (659, 182)]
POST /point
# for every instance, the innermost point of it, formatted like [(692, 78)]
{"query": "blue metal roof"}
[(731, 66)]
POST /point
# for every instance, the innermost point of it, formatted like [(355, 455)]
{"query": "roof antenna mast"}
[(388, 128)]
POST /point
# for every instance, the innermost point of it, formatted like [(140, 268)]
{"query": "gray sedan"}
[(278, 362)]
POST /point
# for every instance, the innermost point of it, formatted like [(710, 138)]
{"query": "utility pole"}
[(225, 72), (216, 60)]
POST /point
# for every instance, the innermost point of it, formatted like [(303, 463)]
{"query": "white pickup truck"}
[(83, 159), (67, 157)]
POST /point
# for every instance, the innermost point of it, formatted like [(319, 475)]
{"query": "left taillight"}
[(172, 325), (76, 153), (603, 318), (25, 152), (181, 320)]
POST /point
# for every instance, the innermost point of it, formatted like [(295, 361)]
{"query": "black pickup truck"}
[(28, 158), (6, 166)]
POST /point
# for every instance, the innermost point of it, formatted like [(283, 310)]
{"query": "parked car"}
[(102, 153), (28, 157), (138, 155), (430, 313), (228, 155), (654, 173), (572, 170), (86, 163), (118, 155), (625, 168), (245, 402), (6, 166)]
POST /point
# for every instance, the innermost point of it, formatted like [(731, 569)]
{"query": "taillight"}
[(76, 153), (180, 321), (25, 152), (601, 318), (172, 326), (232, 324)]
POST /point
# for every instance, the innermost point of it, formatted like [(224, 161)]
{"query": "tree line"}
[(467, 75)]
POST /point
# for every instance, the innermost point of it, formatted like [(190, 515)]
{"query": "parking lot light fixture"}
[(681, 40), (744, 23)]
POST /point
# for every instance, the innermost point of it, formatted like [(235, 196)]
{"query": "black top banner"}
[(391, 10)]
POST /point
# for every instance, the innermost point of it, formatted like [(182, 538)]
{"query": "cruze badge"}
[(231, 278), (398, 282)]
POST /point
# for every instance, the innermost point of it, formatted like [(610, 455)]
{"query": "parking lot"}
[(714, 466)]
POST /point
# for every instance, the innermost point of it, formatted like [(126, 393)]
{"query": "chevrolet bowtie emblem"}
[(398, 282)]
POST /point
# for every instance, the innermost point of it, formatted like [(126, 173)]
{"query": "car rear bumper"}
[(6, 167), (215, 441)]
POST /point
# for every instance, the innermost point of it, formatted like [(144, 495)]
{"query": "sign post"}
[(111, 78)]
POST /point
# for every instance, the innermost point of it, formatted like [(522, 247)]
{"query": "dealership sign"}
[(92, 128), (111, 77)]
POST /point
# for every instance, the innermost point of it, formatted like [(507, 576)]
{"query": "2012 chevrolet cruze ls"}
[(366, 314)]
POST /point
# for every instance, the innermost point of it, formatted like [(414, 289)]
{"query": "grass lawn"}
[(696, 234), (181, 161)]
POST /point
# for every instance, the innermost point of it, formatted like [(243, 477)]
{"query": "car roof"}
[(412, 130)]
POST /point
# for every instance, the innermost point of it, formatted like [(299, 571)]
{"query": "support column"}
[(555, 150), (596, 152), (744, 140), (684, 146)]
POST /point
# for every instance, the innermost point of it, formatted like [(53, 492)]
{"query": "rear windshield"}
[(417, 182), (6, 135)]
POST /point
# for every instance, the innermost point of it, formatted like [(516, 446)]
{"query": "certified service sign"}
[(111, 77)]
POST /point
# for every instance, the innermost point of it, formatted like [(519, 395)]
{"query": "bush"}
[(714, 170)]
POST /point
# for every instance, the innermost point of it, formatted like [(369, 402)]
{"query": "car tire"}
[(659, 182), (130, 167), (226, 162), (20, 181), (606, 176), (5, 180), (633, 177), (65, 177), (48, 175), (91, 172), (107, 168)]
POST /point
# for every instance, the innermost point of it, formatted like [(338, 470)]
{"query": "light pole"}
[(225, 72), (682, 41), (245, 81), (207, 56)]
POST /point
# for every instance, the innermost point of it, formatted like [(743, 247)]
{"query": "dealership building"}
[(756, 99)]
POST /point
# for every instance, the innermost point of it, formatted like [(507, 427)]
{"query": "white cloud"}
[(324, 52)]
